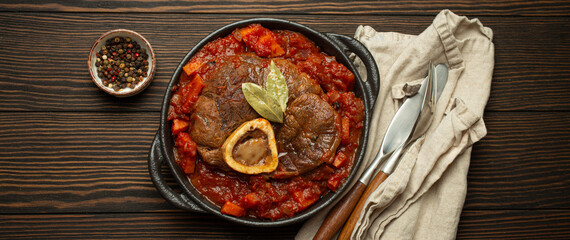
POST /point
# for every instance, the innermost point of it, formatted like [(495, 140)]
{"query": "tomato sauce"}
[(258, 195)]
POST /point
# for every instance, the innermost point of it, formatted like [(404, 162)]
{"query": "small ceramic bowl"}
[(125, 92)]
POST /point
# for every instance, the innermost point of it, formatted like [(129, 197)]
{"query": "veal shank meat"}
[(308, 136)]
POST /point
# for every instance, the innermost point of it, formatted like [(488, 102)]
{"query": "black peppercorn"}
[(121, 63)]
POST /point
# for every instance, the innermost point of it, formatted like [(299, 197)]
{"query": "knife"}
[(423, 122), (398, 131)]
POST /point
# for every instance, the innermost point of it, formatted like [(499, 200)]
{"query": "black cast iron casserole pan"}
[(161, 151)]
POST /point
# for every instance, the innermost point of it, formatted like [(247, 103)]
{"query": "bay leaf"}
[(262, 102), (276, 86)]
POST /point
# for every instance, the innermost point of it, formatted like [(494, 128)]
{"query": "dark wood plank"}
[(74, 160), (464, 7), (91, 162), (43, 67), (514, 224), (169, 225), (97, 162), (522, 163), (508, 224)]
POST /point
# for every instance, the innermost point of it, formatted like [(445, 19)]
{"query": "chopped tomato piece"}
[(179, 125), (171, 113), (188, 164), (334, 96), (176, 99), (334, 182), (174, 108), (244, 32), (185, 143), (211, 51), (307, 196), (182, 138), (190, 148), (186, 152), (262, 40), (352, 107), (268, 40), (233, 209), (332, 75)]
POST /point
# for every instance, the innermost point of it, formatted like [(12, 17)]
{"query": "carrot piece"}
[(238, 35), (339, 160), (196, 85), (191, 92), (192, 66), (251, 200), (233, 209), (269, 41)]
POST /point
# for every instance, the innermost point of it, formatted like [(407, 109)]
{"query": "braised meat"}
[(222, 107), (309, 136)]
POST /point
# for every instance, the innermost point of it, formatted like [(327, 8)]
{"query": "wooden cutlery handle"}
[(338, 215), (349, 226)]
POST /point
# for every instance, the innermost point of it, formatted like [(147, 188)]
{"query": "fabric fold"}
[(428, 159), (424, 196)]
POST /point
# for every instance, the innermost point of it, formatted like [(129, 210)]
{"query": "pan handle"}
[(155, 161), (350, 45)]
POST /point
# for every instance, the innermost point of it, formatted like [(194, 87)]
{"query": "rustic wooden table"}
[(73, 162)]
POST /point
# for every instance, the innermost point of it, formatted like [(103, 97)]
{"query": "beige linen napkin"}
[(424, 196)]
